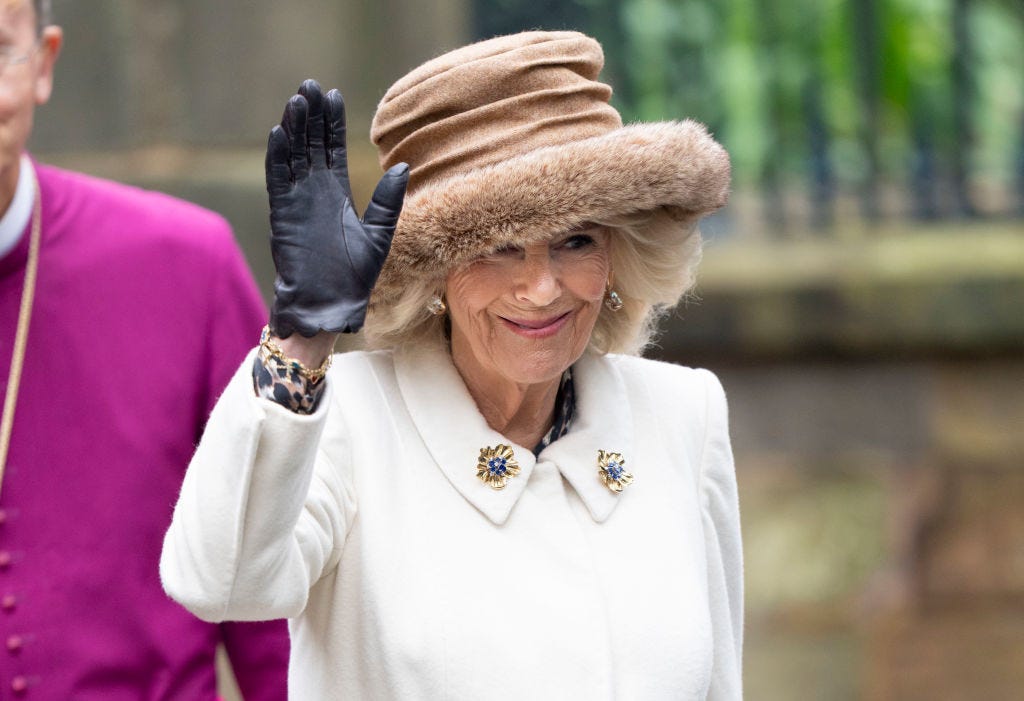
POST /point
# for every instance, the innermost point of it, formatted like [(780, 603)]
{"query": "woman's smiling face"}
[(524, 314)]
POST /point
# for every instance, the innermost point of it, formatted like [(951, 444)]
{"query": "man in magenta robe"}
[(142, 309)]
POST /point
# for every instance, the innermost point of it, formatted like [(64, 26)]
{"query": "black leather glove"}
[(327, 258)]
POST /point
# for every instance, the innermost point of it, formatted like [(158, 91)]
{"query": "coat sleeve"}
[(262, 513), (723, 546)]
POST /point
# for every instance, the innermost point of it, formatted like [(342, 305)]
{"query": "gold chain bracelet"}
[(313, 375)]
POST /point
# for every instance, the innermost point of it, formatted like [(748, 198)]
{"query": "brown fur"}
[(635, 168)]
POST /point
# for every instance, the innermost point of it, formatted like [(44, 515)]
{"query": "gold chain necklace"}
[(28, 292)]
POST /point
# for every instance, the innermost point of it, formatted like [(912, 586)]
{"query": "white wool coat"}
[(406, 577)]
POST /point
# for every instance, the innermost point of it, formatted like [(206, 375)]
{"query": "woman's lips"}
[(536, 328)]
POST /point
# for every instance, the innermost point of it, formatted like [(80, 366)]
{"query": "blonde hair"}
[(654, 258)]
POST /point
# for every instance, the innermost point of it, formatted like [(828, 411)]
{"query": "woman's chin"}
[(535, 366)]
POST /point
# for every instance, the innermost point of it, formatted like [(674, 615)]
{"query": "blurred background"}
[(861, 296)]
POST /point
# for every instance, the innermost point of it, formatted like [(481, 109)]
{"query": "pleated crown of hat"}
[(513, 139)]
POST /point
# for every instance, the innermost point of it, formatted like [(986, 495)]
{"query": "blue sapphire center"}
[(615, 470), (496, 466)]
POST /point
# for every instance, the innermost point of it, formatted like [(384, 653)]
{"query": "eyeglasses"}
[(9, 58)]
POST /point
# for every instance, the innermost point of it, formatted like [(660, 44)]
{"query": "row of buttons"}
[(9, 602)]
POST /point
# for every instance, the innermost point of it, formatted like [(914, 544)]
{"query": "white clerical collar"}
[(15, 219)]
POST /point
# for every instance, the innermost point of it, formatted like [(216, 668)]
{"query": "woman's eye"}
[(577, 241)]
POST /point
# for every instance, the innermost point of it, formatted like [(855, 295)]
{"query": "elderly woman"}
[(500, 500)]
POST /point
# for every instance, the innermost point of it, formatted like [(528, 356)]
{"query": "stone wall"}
[(216, 74), (883, 531), (877, 399), (180, 96)]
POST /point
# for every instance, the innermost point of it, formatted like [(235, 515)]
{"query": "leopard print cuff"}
[(278, 381)]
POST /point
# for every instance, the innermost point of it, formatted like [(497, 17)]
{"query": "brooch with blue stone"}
[(612, 470), (496, 466)]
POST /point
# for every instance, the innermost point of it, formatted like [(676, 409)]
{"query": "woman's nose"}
[(537, 280)]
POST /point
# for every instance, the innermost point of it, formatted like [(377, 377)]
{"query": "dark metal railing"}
[(917, 123)]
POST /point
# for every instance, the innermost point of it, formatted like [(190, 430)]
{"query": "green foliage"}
[(747, 67), (669, 61)]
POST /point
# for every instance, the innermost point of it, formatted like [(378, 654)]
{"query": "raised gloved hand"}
[(327, 258)]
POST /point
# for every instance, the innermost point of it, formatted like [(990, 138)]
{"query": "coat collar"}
[(454, 431)]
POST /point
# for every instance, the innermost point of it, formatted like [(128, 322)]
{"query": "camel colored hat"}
[(512, 139)]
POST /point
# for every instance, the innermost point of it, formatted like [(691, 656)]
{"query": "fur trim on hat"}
[(641, 167)]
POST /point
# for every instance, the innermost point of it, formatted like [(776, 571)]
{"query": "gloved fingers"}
[(294, 122), (279, 174), (310, 89), (386, 204), (337, 152)]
